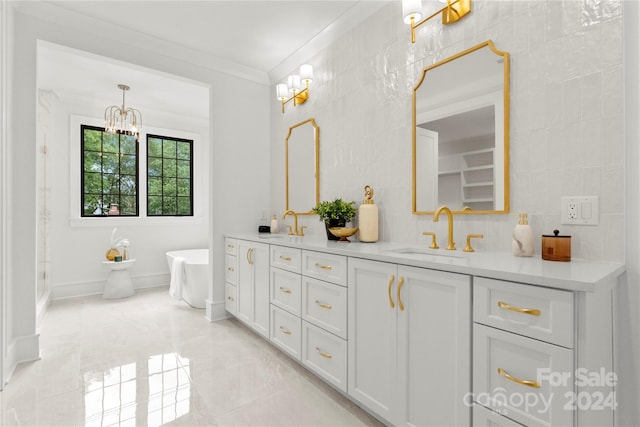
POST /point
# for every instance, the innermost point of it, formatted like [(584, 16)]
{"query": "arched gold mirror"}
[(460, 147), (302, 180)]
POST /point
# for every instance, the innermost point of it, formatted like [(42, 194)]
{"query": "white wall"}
[(238, 139), (566, 95), (567, 117)]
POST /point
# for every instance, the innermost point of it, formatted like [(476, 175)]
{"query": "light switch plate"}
[(581, 210)]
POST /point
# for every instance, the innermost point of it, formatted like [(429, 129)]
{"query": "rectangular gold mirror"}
[(460, 134), (302, 180)]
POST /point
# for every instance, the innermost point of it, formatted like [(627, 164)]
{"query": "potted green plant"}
[(335, 214)]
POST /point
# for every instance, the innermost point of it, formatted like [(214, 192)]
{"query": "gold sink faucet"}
[(451, 246), (295, 231)]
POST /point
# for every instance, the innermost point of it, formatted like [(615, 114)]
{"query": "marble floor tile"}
[(148, 360)]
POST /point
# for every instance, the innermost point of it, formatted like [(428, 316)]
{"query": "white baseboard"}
[(215, 310), (20, 350), (80, 289)]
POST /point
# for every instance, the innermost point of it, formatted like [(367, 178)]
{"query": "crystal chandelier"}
[(120, 119)]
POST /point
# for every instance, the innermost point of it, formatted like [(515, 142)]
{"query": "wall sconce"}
[(452, 12), (292, 91)]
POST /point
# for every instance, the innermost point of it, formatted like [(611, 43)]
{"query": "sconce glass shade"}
[(306, 73), (412, 8), (282, 91), (294, 83)]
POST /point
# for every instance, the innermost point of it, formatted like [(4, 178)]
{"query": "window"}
[(109, 172), (169, 176)]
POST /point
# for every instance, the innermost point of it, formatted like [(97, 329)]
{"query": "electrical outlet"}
[(581, 210)]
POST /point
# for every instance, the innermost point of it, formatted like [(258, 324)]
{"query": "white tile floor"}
[(149, 360)]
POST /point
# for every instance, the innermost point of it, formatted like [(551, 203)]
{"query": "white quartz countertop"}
[(576, 275)]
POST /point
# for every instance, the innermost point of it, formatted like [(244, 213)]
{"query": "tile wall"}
[(566, 118)]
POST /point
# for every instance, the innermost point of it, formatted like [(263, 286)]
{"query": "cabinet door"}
[(434, 347), (372, 355), (253, 285), (245, 282), (260, 259)]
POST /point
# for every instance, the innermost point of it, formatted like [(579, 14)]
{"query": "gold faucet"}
[(295, 232), (451, 246)]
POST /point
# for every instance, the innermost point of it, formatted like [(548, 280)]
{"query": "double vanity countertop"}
[(575, 275)]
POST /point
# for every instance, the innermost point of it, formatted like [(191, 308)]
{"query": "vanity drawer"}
[(503, 364), (286, 290), (332, 268), (325, 354), (286, 331), (231, 265), (541, 313), (483, 417), (230, 293), (325, 305), (231, 247), (286, 258)]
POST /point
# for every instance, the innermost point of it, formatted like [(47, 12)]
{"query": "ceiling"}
[(269, 38)]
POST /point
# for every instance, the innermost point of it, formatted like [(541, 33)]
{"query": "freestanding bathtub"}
[(195, 284)]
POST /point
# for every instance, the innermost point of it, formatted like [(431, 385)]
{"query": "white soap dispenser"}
[(522, 242), (275, 228), (368, 217)]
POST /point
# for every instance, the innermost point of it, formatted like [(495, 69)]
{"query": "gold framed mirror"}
[(460, 134), (302, 173)]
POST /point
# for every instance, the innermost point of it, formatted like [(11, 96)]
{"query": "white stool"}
[(119, 283)]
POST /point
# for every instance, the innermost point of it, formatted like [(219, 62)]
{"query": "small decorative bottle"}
[(368, 217), (522, 243), (275, 228)]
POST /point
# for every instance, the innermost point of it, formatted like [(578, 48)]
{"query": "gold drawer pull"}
[(230, 298), (325, 355), (325, 306), (400, 283), (531, 311), (391, 280), (324, 267), (285, 258), (285, 330), (285, 290), (230, 269), (230, 246), (528, 383)]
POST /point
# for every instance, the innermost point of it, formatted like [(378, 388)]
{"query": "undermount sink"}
[(428, 254)]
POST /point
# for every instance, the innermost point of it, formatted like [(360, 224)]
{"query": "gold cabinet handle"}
[(391, 280), (230, 269), (249, 255), (325, 306), (528, 383), (531, 311), (230, 298), (285, 330), (285, 258), (324, 267), (231, 246), (325, 355), (285, 290), (400, 283)]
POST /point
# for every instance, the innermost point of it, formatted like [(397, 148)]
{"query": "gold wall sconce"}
[(452, 12), (292, 89)]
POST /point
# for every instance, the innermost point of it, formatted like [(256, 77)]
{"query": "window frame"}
[(84, 127), (191, 143)]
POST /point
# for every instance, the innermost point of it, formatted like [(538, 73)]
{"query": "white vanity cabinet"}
[(285, 296), (409, 343), (253, 285), (534, 347), (230, 276)]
